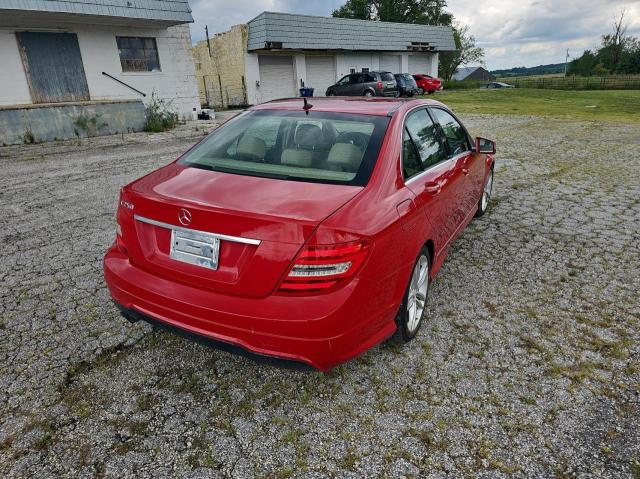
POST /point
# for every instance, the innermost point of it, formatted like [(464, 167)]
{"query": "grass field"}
[(619, 105)]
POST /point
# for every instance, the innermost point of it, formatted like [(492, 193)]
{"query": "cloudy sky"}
[(513, 32)]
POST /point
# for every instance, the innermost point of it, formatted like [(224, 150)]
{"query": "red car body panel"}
[(427, 83), (239, 303)]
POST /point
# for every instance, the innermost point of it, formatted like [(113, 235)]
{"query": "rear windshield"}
[(320, 147), (386, 76)]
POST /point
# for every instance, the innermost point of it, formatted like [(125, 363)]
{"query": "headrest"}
[(251, 147), (296, 157), (346, 156), (308, 136)]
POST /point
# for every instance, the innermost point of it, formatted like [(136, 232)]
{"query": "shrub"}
[(158, 115)]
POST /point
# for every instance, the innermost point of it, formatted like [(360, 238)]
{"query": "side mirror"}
[(485, 146)]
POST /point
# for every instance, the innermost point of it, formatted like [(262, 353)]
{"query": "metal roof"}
[(169, 12), (306, 32), (464, 72)]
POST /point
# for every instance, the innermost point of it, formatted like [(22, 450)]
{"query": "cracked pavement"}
[(528, 364)]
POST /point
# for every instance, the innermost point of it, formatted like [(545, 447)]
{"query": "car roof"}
[(352, 105)]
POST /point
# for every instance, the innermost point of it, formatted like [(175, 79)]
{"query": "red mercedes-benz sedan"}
[(307, 232), (427, 84)]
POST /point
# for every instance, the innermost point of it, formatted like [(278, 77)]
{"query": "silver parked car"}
[(498, 84)]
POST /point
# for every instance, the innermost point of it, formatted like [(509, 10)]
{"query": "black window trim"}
[(155, 42), (407, 181)]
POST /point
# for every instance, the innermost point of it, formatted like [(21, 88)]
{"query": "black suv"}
[(365, 84), (406, 84)]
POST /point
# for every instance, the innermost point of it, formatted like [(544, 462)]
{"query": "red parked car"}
[(309, 234), (427, 84)]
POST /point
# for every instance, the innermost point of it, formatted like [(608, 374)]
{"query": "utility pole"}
[(206, 30), (566, 63)]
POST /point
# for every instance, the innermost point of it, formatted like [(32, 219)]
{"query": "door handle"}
[(433, 188), (465, 171)]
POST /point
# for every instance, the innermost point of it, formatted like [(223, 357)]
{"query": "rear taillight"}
[(380, 85), (119, 240), (120, 213), (320, 267)]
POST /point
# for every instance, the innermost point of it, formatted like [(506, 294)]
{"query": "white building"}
[(282, 51), (97, 59)]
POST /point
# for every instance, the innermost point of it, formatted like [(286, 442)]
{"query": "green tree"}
[(361, 9), (630, 61), (583, 65), (615, 43), (466, 52), (619, 53), (426, 12)]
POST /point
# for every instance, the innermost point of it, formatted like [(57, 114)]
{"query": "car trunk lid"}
[(260, 223)]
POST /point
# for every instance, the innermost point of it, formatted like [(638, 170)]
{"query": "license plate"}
[(195, 247)]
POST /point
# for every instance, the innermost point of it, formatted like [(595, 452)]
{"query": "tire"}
[(485, 198), (369, 94), (331, 93), (409, 319), (420, 91), (431, 92)]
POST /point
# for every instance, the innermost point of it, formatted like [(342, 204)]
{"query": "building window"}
[(352, 69), (365, 70), (138, 54)]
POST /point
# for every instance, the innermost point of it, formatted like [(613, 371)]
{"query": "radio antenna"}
[(307, 106)]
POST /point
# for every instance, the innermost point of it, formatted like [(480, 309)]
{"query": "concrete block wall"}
[(50, 122), (220, 76)]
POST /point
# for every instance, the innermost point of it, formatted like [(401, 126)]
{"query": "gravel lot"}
[(529, 364)]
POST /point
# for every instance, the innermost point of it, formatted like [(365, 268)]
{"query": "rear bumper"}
[(320, 330)]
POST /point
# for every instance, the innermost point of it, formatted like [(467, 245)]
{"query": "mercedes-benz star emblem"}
[(184, 216)]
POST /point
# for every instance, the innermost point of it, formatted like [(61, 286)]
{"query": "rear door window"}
[(355, 79), (369, 78), (411, 164), (425, 135), (455, 134)]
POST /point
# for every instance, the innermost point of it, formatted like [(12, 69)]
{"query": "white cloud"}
[(529, 33), (513, 32)]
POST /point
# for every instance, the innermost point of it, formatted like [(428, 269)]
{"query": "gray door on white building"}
[(321, 73), (276, 77), (53, 65), (419, 64), (390, 63)]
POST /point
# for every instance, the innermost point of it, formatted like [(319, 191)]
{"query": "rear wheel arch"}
[(431, 249)]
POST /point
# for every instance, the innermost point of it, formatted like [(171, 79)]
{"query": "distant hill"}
[(524, 71)]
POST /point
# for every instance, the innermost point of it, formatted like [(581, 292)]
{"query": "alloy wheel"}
[(417, 293), (486, 193)]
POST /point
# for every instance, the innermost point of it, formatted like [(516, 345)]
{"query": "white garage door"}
[(390, 63), (321, 73), (276, 77), (419, 64)]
